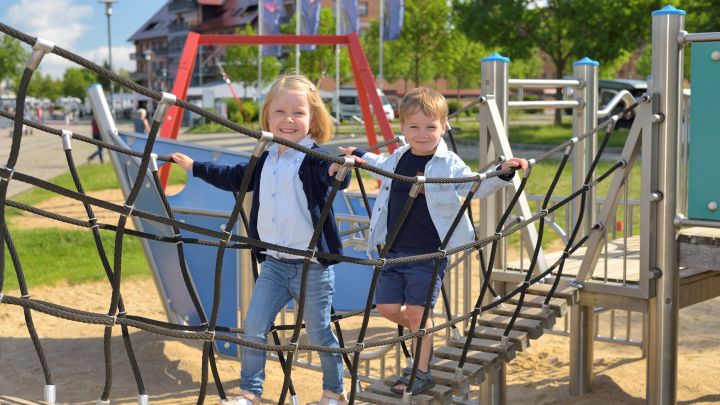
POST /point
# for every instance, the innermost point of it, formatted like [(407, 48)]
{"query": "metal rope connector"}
[(422, 332), (101, 401), (66, 136), (178, 239), (458, 374), (443, 253), (129, 209), (359, 346), (6, 177), (544, 212), (153, 162), (25, 297), (313, 254), (407, 397), (40, 48), (262, 144), (383, 262), (415, 189), (167, 100), (93, 222), (345, 168), (227, 239), (143, 399), (526, 285), (293, 347), (498, 235), (49, 394)]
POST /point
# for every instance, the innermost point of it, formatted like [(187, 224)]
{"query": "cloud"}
[(60, 21)]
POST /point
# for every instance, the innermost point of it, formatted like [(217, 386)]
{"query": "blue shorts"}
[(408, 283)]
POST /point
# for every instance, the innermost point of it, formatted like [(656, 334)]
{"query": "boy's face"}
[(289, 116), (422, 133)]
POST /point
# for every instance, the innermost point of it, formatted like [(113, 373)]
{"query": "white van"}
[(349, 104)]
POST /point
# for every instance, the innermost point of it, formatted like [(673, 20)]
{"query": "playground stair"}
[(488, 352)]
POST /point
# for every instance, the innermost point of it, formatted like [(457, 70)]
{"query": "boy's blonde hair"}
[(429, 101), (321, 126)]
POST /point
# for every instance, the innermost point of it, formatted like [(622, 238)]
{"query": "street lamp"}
[(108, 13)]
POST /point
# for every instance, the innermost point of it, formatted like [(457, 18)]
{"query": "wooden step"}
[(557, 305), (491, 361), (474, 372), (569, 294), (380, 394), (533, 328), (519, 338), (506, 351), (547, 317), (5, 400), (442, 391)]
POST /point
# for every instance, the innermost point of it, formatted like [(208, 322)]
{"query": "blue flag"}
[(349, 19), (272, 11), (393, 18), (310, 20)]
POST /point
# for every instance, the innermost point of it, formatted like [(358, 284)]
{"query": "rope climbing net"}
[(208, 330)]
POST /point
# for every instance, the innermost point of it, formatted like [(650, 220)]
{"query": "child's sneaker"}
[(245, 398), (331, 398)]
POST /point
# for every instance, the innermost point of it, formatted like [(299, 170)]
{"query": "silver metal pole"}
[(494, 80), (663, 309), (380, 50), (582, 322), (297, 32), (337, 63), (261, 7)]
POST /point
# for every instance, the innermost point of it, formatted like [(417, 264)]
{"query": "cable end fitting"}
[(40, 48), (415, 189), (153, 162), (66, 136), (265, 139), (166, 101)]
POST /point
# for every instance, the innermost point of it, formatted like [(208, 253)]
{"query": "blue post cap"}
[(668, 10), (586, 61), (495, 57)]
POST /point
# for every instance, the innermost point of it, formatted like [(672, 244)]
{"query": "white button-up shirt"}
[(283, 216)]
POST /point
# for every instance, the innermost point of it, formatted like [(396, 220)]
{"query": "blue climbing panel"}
[(703, 187), (204, 205)]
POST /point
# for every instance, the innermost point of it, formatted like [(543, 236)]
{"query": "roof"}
[(156, 26)]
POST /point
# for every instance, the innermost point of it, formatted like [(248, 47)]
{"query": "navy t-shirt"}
[(418, 234)]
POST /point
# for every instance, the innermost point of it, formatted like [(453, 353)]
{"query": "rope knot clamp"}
[(383, 262), (129, 209), (153, 162), (565, 254), (25, 296), (9, 176), (443, 252), (544, 212), (265, 138), (212, 334), (229, 236), (574, 140), (166, 100), (114, 319), (178, 238), (498, 235), (66, 136), (312, 252), (359, 346), (415, 189), (422, 332), (40, 48), (525, 285), (346, 167), (93, 223), (293, 347)]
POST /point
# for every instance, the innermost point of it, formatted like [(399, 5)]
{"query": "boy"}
[(402, 288)]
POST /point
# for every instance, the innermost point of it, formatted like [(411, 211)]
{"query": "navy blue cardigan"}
[(316, 185)]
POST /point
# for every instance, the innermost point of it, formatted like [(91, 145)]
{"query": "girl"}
[(290, 190)]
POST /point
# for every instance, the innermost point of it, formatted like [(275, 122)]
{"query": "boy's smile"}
[(422, 133)]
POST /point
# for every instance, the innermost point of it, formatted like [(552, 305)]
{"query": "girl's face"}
[(289, 116), (422, 133)]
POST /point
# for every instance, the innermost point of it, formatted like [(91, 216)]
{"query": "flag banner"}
[(272, 11), (393, 18), (349, 19), (310, 20)]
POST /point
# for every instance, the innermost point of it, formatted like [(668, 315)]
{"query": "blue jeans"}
[(277, 284)]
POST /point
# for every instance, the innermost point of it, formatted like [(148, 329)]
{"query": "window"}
[(363, 9)]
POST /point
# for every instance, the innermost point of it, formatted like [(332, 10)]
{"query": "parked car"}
[(607, 89), (349, 104)]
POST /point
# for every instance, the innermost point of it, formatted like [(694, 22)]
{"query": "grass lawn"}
[(52, 255)]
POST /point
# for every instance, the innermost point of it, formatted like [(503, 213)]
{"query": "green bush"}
[(236, 115), (454, 105)]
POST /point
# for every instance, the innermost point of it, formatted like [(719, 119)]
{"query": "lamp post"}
[(148, 59), (108, 13)]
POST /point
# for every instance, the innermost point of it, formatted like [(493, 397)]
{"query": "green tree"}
[(76, 82), (425, 32), (462, 62), (396, 62), (12, 57), (102, 80), (241, 63), (566, 30), (319, 63), (43, 86)]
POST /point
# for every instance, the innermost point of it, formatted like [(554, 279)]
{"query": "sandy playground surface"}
[(171, 368)]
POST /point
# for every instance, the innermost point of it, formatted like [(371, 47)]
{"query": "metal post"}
[(380, 50), (297, 32), (663, 309), (494, 74), (582, 322), (584, 119), (337, 63), (261, 7), (581, 353), (108, 13)]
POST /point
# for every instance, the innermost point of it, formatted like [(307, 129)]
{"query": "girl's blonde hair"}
[(429, 101), (321, 126)]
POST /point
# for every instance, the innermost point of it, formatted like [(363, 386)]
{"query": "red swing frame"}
[(364, 81)]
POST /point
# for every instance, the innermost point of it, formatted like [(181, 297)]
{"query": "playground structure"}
[(660, 290)]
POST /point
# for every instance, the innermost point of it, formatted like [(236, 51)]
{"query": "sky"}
[(80, 26)]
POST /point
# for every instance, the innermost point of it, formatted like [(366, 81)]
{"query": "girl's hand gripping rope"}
[(347, 152)]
